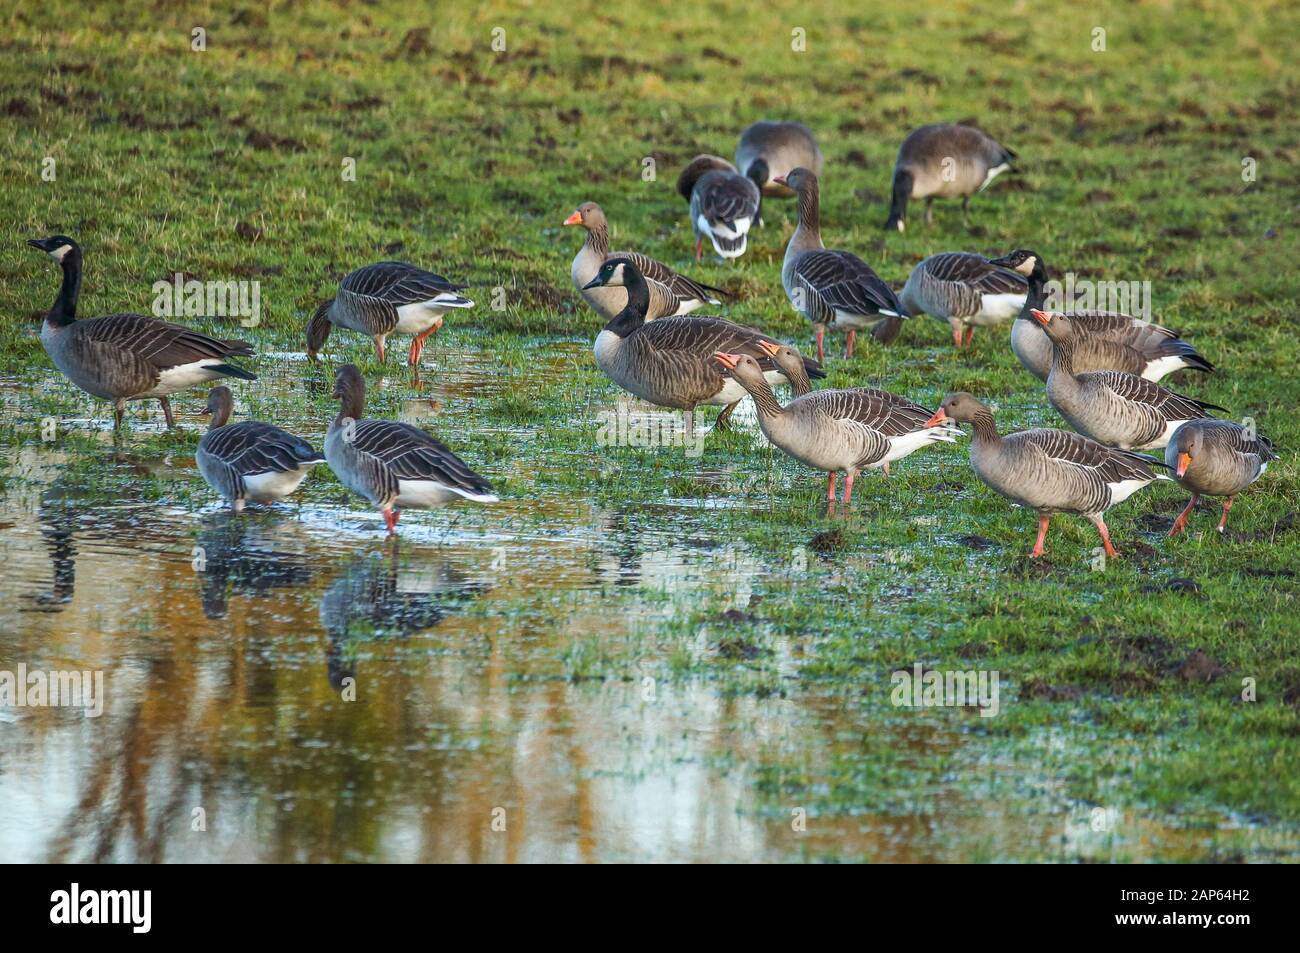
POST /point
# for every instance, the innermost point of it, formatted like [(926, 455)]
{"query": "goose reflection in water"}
[(242, 556), (58, 520)]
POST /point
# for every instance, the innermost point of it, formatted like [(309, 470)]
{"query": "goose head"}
[(759, 172), (788, 359), (220, 403), (798, 180), (960, 407), (56, 246), (1022, 260), (742, 367), (1058, 326), (614, 273), (1186, 446), (589, 215)]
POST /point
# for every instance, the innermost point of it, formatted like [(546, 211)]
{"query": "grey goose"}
[(1106, 340), (838, 431), (967, 291), (769, 151), (668, 362), (833, 288), (250, 461), (723, 205), (1050, 471), (1118, 409), (1215, 458), (944, 160), (123, 357), (670, 293), (389, 297), (393, 465)]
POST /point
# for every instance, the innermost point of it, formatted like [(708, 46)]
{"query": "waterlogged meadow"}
[(658, 645)]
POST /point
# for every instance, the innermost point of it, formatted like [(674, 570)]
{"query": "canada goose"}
[(393, 465), (122, 357), (670, 292), (389, 297), (1051, 471), (1114, 408), (833, 288), (944, 160), (724, 204), (668, 362), (250, 461), (967, 291), (837, 430), (771, 150), (1105, 340), (1215, 458)]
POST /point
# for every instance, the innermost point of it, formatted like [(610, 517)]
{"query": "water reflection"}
[(240, 555)]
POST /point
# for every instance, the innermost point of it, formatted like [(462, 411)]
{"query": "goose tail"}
[(230, 370)]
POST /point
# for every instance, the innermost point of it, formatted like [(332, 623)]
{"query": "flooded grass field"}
[(640, 653)]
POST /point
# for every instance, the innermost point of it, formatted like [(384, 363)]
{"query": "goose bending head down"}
[(944, 160), (394, 465), (724, 204), (1215, 458)]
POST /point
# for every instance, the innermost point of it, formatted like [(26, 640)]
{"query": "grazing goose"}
[(386, 298), (967, 291), (1051, 471), (944, 160), (392, 464), (723, 205), (1215, 458), (122, 357), (771, 150), (1117, 409), (834, 288), (667, 362), (837, 430), (1107, 340), (250, 461)]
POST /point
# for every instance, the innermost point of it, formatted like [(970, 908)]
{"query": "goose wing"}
[(977, 272), (682, 286), (252, 447), (160, 344), (1083, 453), (701, 336), (886, 413), (397, 283), (1165, 403), (844, 282), (725, 197), (409, 453)]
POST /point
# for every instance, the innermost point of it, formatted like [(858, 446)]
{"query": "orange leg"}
[(417, 343), (379, 347), (956, 337), (885, 469), (970, 335), (848, 486), (699, 250), (848, 347), (1181, 522), (820, 334), (1105, 538), (830, 487), (1227, 505), (1042, 536), (390, 520)]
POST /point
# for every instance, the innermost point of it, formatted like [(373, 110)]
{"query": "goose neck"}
[(64, 310), (985, 428)]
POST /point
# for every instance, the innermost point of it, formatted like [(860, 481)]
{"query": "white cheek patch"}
[(59, 253)]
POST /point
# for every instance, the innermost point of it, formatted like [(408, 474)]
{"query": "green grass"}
[(469, 159)]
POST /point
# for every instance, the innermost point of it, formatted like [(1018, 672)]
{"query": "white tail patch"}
[(1121, 491)]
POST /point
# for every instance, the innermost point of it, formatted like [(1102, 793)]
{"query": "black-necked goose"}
[(122, 357), (968, 291), (1215, 458), (1106, 340), (838, 431), (1117, 409), (1051, 471), (670, 293), (723, 203), (250, 461), (389, 297), (668, 362), (394, 465), (769, 151), (833, 288), (944, 160)]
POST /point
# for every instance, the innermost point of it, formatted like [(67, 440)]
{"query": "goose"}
[(944, 160), (670, 293), (837, 431), (393, 465), (834, 288), (250, 461), (723, 205), (1215, 458), (389, 297), (1114, 408), (1051, 471), (1107, 340), (967, 291), (122, 357), (771, 150), (667, 362)]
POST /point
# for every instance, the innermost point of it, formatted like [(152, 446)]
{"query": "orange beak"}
[(728, 361), (938, 418), (779, 179), (1043, 317), (574, 219), (770, 349), (1183, 460)]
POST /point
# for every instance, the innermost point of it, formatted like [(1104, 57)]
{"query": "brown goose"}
[(833, 288), (1107, 340), (250, 461), (1215, 458), (944, 160), (1114, 408), (724, 204), (967, 291), (1051, 471), (667, 362), (122, 357), (771, 150), (837, 431), (670, 293), (390, 297), (394, 465)]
